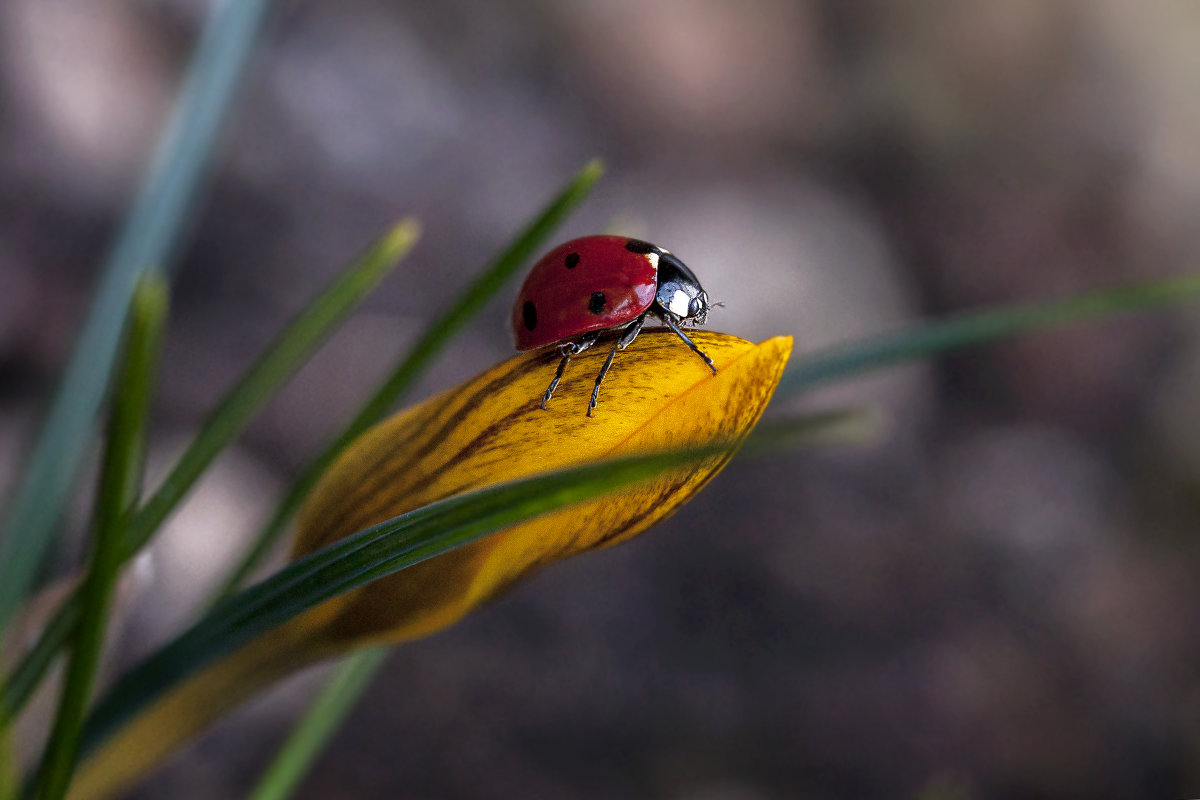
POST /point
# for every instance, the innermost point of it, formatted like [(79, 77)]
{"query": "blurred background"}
[(998, 600)]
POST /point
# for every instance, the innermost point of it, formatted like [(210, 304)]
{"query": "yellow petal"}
[(658, 395)]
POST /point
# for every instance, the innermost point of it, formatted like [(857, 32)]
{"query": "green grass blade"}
[(931, 338), (513, 258), (8, 766), (258, 385), (318, 724), (23, 682), (120, 481), (380, 551), (152, 226)]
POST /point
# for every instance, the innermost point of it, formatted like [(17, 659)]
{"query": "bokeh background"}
[(999, 599)]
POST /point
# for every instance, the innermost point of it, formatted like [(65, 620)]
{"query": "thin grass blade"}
[(23, 682), (518, 252), (930, 338), (150, 232), (120, 481), (318, 724), (8, 766), (289, 351)]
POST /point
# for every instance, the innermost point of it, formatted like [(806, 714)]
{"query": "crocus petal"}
[(658, 395)]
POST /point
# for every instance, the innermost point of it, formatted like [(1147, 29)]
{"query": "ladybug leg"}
[(630, 333), (671, 324), (568, 350)]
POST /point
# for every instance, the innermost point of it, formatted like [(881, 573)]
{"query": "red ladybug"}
[(587, 286)]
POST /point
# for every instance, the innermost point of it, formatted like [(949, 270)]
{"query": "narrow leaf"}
[(120, 480), (963, 330), (20, 686), (8, 766), (318, 724)]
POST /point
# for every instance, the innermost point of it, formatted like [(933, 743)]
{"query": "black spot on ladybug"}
[(572, 260), (529, 314), (597, 302), (640, 247)]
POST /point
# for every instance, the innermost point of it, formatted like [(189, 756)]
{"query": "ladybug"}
[(588, 286)]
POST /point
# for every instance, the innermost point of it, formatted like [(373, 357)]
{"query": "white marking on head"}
[(679, 303), (653, 259)]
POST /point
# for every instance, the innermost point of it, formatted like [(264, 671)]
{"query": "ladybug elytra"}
[(588, 286)]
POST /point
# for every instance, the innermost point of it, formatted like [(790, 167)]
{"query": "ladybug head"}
[(698, 308), (679, 291)]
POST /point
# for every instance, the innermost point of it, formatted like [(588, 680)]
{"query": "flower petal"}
[(658, 395)]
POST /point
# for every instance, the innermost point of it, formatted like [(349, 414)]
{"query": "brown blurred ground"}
[(999, 601)]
